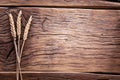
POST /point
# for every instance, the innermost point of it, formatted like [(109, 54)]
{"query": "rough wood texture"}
[(78, 40), (65, 3), (60, 76)]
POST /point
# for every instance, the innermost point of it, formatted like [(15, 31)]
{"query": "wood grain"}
[(64, 40), (60, 76), (62, 3)]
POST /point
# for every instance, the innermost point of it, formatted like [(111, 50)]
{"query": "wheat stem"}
[(27, 27), (17, 71), (19, 33), (22, 49), (19, 67)]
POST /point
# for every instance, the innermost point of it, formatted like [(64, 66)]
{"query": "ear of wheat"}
[(12, 26), (27, 27), (19, 24)]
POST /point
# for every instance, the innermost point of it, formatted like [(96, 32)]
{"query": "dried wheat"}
[(13, 32), (17, 47), (27, 27), (19, 24), (12, 26), (19, 33)]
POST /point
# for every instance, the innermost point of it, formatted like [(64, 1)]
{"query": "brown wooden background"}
[(67, 37)]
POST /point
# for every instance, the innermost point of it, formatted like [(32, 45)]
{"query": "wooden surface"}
[(62, 3), (78, 40), (60, 76)]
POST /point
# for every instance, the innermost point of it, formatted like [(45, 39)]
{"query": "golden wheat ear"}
[(19, 23), (27, 27), (12, 26)]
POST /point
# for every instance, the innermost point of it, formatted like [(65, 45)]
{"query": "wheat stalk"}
[(19, 29), (27, 27), (13, 32), (17, 72), (18, 34)]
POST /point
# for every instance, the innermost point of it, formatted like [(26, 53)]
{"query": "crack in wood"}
[(43, 22)]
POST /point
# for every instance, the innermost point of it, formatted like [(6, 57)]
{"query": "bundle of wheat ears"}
[(16, 39)]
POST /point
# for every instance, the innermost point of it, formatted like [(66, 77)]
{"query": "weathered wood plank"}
[(60, 76), (65, 40), (64, 3)]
